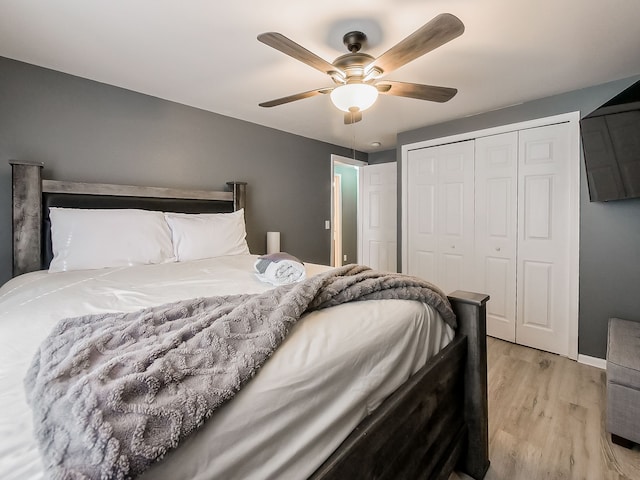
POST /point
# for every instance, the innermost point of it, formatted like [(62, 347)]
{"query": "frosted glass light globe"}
[(358, 95)]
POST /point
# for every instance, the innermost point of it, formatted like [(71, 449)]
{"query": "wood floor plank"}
[(547, 419)]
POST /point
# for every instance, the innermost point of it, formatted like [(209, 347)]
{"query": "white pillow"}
[(206, 235), (94, 238)]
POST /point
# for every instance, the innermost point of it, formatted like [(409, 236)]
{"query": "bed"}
[(420, 415)]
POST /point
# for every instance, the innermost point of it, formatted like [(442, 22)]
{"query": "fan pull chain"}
[(353, 137)]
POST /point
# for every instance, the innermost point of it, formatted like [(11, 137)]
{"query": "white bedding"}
[(336, 366)]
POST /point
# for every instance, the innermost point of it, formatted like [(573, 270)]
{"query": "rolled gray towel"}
[(280, 268)]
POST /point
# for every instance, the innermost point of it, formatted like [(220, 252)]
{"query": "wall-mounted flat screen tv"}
[(611, 144)]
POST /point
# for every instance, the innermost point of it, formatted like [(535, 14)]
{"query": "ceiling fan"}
[(358, 76)]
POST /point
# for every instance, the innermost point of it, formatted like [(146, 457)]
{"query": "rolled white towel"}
[(280, 269)]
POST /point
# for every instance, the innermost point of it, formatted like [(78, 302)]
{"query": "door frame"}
[(339, 159), (573, 118), (336, 221)]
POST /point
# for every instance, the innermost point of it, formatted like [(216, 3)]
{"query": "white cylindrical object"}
[(273, 242)]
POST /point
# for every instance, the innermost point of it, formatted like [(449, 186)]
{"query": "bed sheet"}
[(336, 366)]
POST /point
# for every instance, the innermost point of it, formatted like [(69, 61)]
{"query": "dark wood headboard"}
[(32, 197)]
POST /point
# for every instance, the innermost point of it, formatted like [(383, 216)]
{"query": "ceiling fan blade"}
[(415, 90), (291, 48), (297, 96), (352, 117), (440, 30)]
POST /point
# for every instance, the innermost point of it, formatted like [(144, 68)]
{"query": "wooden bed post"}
[(239, 190), (470, 309), (26, 181)]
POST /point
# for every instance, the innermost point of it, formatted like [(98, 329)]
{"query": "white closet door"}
[(543, 281), (422, 240), (496, 220), (378, 192), (440, 215), (455, 217)]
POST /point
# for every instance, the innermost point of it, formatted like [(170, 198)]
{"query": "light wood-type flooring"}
[(546, 419)]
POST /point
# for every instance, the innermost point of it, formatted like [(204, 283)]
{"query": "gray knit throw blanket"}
[(112, 393)]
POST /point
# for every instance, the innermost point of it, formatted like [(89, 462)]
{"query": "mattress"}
[(336, 367)]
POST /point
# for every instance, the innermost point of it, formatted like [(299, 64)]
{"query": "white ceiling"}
[(205, 54)]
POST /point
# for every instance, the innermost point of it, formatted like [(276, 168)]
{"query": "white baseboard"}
[(593, 361)]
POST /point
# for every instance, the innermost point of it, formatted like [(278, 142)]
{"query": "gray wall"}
[(88, 131), (383, 156), (609, 233)]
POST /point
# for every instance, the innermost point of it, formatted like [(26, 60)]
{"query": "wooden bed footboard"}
[(437, 421)]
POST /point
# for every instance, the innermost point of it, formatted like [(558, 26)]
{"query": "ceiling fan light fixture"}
[(356, 72), (354, 95)]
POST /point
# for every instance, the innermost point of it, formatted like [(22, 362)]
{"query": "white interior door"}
[(496, 218), (379, 225), (544, 233)]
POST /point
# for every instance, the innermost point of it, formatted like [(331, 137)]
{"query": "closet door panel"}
[(543, 244), (440, 215), (455, 213), (536, 305), (496, 160), (421, 214), (452, 271)]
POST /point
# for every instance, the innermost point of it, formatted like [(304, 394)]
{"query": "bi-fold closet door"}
[(493, 215), (496, 229), (440, 215)]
